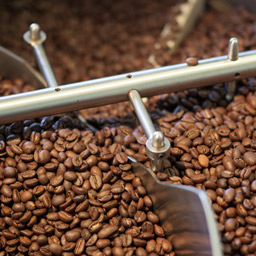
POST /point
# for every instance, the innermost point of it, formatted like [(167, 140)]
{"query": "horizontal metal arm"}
[(114, 89)]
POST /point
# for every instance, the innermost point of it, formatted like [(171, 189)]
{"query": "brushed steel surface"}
[(233, 52), (141, 113), (13, 66), (35, 37), (45, 66), (157, 146), (185, 214)]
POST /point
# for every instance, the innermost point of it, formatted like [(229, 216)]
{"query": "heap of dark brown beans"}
[(65, 191), (71, 192), (213, 148)]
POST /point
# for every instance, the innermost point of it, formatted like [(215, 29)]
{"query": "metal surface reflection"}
[(13, 66), (185, 214)]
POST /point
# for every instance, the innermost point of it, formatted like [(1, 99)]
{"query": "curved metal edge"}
[(13, 66), (214, 235), (212, 227), (204, 210)]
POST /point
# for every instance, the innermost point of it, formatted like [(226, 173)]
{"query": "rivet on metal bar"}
[(233, 51), (157, 146)]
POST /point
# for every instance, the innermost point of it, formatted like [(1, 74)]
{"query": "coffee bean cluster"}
[(214, 150), (68, 191), (17, 85), (65, 191)]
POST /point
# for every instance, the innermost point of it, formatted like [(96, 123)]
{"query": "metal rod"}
[(35, 37), (45, 66), (233, 53), (114, 89), (158, 144), (157, 147), (49, 76), (142, 113)]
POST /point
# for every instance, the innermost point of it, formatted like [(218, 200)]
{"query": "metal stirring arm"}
[(36, 37), (115, 89), (157, 146), (185, 212)]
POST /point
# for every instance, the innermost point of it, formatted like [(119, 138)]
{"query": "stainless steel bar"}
[(35, 37), (48, 74), (45, 66), (142, 113), (114, 89), (233, 52), (157, 147)]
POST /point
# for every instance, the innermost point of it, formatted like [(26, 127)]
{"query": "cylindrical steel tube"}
[(141, 113), (155, 138), (44, 65), (115, 89)]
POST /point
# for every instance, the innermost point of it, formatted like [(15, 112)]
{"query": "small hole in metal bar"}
[(57, 89), (237, 75), (129, 76)]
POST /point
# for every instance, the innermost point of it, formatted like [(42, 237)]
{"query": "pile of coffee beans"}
[(17, 85), (71, 192), (65, 190), (214, 149)]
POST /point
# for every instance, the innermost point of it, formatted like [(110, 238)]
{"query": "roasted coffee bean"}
[(117, 188), (56, 180), (80, 246), (229, 195), (55, 249), (44, 156), (9, 172), (192, 61), (95, 227), (107, 231), (249, 158), (228, 163), (58, 200), (203, 160), (140, 216), (95, 181), (73, 235), (6, 191), (65, 217)]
